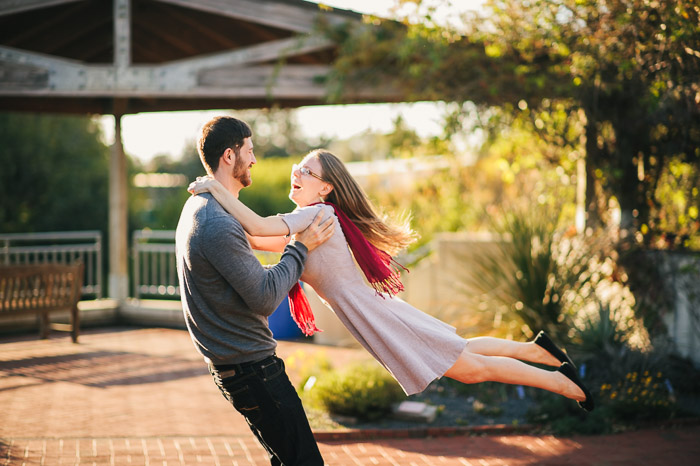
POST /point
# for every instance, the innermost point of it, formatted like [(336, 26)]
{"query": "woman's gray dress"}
[(414, 347)]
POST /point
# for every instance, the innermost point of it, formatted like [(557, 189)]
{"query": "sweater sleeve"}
[(262, 289)]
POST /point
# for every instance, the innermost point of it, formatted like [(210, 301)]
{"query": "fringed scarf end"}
[(301, 312)]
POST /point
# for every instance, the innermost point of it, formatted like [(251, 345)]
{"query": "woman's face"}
[(307, 188)]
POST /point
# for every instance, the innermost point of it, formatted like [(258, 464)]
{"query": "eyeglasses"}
[(306, 171)]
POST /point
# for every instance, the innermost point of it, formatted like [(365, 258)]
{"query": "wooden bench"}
[(42, 289)]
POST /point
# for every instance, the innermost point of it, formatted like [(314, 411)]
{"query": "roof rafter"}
[(279, 14), (67, 76), (164, 55), (10, 7)]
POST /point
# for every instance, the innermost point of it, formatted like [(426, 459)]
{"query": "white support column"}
[(580, 194), (118, 231)]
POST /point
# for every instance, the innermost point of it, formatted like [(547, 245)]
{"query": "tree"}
[(627, 69), (54, 174)]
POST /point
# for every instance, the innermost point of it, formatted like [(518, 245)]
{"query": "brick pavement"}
[(133, 396)]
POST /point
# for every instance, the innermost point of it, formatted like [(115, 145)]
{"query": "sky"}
[(146, 135)]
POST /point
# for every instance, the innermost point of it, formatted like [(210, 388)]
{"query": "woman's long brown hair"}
[(348, 196)]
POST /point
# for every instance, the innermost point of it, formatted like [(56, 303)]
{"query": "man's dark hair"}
[(218, 134)]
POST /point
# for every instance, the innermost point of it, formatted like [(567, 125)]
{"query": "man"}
[(227, 296)]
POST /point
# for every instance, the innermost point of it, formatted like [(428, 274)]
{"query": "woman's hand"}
[(202, 184)]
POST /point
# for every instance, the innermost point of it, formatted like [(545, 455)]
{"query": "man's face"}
[(245, 160)]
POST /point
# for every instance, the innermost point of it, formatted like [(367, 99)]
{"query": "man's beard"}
[(240, 172)]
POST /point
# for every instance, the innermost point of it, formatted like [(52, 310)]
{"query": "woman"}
[(414, 347)]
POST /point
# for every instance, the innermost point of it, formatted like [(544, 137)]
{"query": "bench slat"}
[(41, 289)]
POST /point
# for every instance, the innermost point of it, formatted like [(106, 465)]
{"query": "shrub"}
[(302, 366), (564, 417), (361, 390), (534, 272), (268, 195), (639, 396), (620, 404)]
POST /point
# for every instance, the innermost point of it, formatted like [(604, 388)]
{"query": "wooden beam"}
[(227, 75), (282, 15), (289, 81), (11, 7), (21, 76), (268, 51), (64, 75), (122, 33)]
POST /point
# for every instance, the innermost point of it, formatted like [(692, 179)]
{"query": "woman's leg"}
[(472, 367), (529, 351)]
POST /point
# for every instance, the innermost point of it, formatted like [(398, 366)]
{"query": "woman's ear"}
[(326, 190)]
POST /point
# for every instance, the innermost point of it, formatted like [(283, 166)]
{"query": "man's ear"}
[(228, 157)]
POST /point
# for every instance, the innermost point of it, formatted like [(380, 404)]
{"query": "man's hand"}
[(317, 233)]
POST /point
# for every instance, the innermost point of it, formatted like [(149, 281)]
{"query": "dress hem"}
[(438, 374)]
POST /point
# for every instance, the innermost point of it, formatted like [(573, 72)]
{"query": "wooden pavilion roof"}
[(130, 56)]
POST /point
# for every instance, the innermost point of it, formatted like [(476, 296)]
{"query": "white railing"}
[(155, 266), (60, 247), (155, 269)]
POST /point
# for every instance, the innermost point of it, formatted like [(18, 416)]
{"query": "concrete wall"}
[(441, 285), (681, 273)]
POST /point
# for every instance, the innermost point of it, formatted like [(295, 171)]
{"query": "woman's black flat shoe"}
[(570, 373), (543, 340)]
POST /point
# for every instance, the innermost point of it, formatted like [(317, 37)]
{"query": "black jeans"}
[(263, 394)]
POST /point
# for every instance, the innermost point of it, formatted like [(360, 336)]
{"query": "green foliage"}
[(625, 72), (675, 219), (621, 404), (469, 197), (612, 344), (564, 417), (269, 193), (159, 208), (276, 133), (639, 397), (486, 410), (363, 390), (629, 385), (305, 367), (532, 272), (54, 174), (600, 335)]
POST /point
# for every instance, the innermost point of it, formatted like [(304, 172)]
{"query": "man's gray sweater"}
[(226, 293)]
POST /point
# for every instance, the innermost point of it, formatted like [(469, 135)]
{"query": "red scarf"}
[(378, 266)]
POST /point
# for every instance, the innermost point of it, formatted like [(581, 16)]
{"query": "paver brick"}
[(135, 396)]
